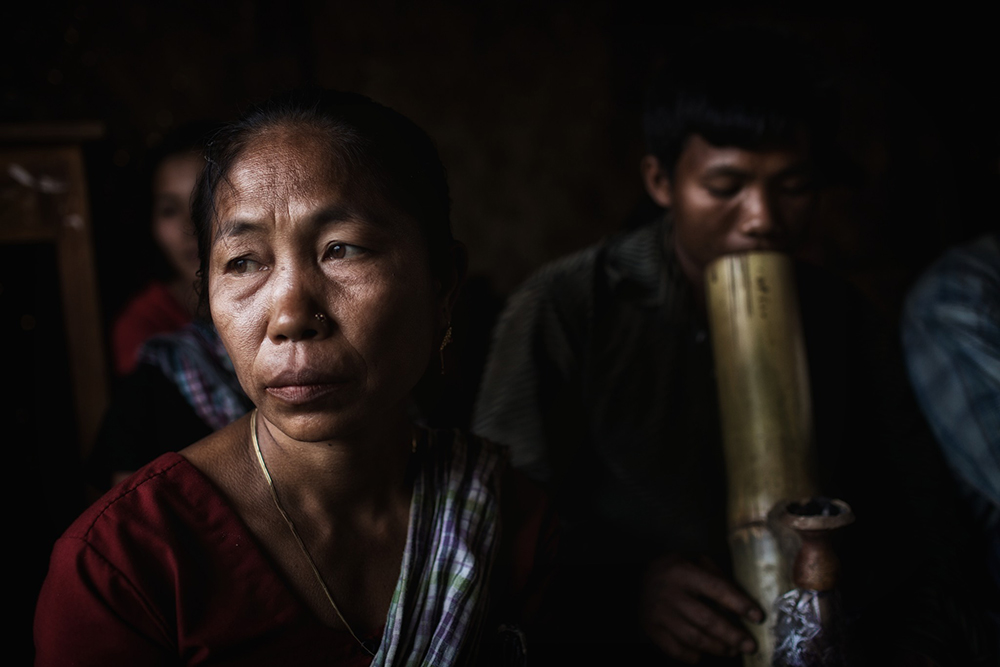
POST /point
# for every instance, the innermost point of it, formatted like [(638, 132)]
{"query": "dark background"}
[(535, 108)]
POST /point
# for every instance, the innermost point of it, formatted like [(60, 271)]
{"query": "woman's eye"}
[(244, 265), (342, 251)]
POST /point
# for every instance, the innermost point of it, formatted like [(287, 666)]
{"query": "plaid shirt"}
[(195, 360), (951, 335)]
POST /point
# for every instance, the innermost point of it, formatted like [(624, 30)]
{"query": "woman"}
[(166, 305), (178, 384), (323, 528)]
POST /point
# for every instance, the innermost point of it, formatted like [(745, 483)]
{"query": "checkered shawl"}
[(194, 359), (441, 599)]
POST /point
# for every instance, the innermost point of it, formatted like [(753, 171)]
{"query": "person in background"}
[(600, 379), (167, 304), (184, 384), (951, 337), (175, 373)]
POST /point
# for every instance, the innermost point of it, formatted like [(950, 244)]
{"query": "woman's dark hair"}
[(749, 87), (387, 157), (185, 139)]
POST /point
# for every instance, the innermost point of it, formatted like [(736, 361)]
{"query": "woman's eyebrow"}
[(229, 229), (333, 214), (328, 215)]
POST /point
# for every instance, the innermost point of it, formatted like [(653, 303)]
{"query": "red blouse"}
[(162, 571), (153, 311)]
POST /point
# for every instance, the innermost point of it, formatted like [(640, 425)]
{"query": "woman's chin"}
[(322, 426)]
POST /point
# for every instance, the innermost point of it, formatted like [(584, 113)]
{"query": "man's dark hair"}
[(747, 87), (384, 156)]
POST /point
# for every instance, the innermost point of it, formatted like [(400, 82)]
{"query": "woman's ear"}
[(656, 180)]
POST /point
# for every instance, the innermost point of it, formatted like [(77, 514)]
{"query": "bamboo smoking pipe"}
[(766, 414)]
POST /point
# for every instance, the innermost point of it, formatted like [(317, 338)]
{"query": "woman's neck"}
[(353, 479)]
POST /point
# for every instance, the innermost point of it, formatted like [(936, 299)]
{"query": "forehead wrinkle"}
[(269, 179), (226, 225), (270, 175), (304, 155), (285, 170)]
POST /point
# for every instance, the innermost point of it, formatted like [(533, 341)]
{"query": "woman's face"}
[(173, 184), (330, 316)]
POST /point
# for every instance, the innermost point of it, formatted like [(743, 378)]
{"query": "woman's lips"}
[(298, 394), (298, 386)]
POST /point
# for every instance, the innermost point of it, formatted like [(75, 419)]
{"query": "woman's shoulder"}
[(166, 477), (116, 572), (162, 566), (223, 458), (528, 516), (164, 501), (136, 531)]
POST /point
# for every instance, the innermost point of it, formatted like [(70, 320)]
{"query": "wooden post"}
[(43, 199)]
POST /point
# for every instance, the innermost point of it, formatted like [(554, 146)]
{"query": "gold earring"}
[(444, 344)]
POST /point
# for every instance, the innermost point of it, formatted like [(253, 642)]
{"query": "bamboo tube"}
[(764, 401)]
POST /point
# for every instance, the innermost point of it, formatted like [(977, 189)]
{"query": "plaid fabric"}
[(951, 335), (441, 599), (195, 359)]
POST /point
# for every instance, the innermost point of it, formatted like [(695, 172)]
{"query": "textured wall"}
[(534, 106)]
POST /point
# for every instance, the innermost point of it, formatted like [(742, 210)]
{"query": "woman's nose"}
[(296, 313)]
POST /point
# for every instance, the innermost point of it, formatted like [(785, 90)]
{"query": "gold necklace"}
[(295, 533)]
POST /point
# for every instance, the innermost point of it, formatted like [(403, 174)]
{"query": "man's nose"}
[(297, 312), (758, 217)]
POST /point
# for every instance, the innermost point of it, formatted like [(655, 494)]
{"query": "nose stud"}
[(320, 317)]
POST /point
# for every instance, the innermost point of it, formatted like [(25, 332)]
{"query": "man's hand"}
[(685, 610)]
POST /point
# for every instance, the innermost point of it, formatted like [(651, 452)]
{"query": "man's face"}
[(730, 200)]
